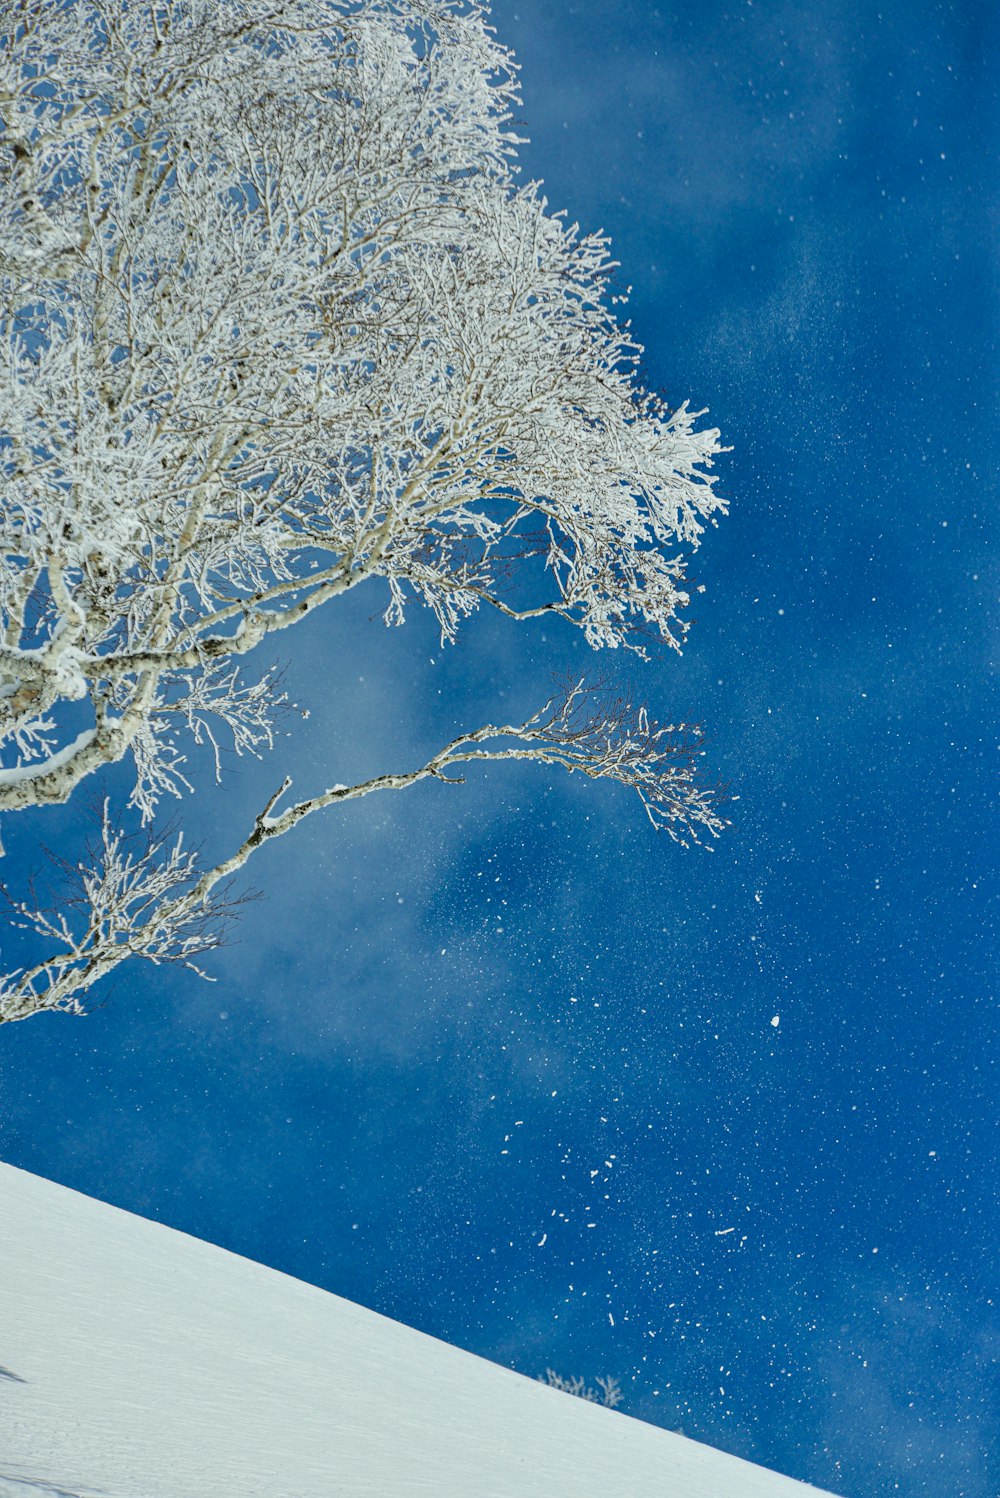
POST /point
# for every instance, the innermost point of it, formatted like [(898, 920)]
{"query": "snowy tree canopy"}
[(277, 320)]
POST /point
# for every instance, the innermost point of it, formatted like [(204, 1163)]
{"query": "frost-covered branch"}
[(120, 903), (157, 906)]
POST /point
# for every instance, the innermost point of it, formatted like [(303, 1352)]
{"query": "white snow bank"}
[(136, 1362)]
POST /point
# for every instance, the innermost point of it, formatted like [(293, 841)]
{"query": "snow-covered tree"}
[(608, 1391), (277, 321)]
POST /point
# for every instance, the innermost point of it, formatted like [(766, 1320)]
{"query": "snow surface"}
[(136, 1362)]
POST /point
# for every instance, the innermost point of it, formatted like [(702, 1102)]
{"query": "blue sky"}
[(462, 1020)]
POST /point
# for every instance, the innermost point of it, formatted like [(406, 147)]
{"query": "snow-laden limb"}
[(154, 904), (276, 320)]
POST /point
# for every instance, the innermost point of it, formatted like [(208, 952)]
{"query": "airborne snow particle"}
[(776, 1020)]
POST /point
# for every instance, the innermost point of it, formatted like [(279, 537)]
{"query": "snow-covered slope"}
[(136, 1362)]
